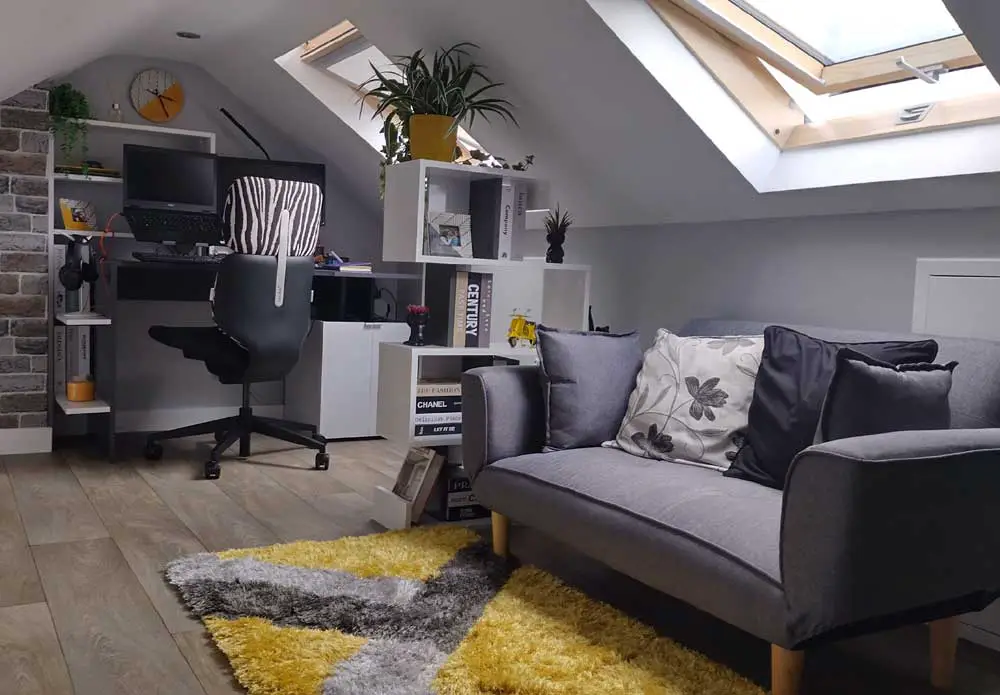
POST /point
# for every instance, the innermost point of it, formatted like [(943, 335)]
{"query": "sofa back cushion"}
[(975, 390)]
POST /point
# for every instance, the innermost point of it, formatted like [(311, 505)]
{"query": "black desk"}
[(166, 282)]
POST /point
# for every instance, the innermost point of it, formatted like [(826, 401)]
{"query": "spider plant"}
[(449, 84)]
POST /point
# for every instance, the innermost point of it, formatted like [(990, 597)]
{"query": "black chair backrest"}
[(263, 291), (245, 311)]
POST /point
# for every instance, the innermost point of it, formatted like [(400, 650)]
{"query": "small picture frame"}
[(448, 234)]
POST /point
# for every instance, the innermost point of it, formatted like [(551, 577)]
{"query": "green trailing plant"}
[(485, 159), (450, 84), (557, 222), (68, 114)]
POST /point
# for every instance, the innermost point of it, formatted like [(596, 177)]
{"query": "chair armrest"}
[(503, 415), (890, 529)]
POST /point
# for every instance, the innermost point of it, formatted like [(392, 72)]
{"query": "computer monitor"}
[(169, 180), (232, 168)]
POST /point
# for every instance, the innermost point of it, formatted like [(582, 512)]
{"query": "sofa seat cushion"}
[(687, 531)]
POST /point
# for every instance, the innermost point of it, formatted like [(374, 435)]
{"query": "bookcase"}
[(556, 295)]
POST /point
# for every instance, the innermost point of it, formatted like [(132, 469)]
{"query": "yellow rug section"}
[(271, 660), (408, 554), (541, 637)]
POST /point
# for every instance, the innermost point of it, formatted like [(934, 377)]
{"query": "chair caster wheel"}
[(153, 451), (212, 470), (322, 461), (219, 436)]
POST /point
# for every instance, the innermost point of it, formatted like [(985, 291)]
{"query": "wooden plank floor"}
[(84, 608)]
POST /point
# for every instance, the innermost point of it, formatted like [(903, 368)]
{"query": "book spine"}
[(458, 310), (459, 484), (427, 390), (437, 430), (520, 207), (436, 418), (484, 208), (471, 318), (485, 309), (439, 404), (506, 230)]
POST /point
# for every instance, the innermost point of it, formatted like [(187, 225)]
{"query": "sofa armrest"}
[(890, 529), (503, 415)]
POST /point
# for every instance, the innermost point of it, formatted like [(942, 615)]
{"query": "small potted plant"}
[(424, 103), (416, 319), (556, 224), (68, 115)]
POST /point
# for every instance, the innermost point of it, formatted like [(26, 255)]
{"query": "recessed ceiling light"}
[(188, 35)]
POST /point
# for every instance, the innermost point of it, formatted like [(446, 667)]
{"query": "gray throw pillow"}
[(587, 379), (868, 396)]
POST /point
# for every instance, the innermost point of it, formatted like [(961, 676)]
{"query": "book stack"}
[(499, 208), (453, 498), (472, 305), (438, 408)]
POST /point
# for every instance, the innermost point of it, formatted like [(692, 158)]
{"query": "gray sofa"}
[(870, 532)]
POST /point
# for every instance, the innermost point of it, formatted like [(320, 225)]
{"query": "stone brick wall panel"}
[(24, 244)]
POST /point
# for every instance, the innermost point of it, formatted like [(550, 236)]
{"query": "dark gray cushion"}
[(586, 381), (975, 389), (689, 532), (868, 396)]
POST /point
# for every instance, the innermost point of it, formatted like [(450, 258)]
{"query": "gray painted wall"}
[(854, 271)]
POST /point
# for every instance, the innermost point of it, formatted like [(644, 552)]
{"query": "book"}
[(59, 333), (485, 309), (437, 430), (427, 485), (436, 418), (460, 290), (438, 387), (411, 475), (520, 208), (439, 404), (491, 204), (471, 310)]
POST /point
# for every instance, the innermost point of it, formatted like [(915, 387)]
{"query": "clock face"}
[(157, 95)]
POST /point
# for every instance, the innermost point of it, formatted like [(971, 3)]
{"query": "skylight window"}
[(836, 31)]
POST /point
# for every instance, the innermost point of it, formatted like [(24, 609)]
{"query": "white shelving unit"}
[(71, 333), (557, 295)]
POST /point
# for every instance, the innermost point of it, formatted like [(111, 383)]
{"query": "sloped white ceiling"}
[(618, 148)]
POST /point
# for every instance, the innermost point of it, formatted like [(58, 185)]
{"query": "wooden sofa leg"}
[(786, 670), (944, 644), (501, 539)]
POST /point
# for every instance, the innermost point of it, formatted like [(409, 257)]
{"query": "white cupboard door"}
[(385, 333), (347, 377)]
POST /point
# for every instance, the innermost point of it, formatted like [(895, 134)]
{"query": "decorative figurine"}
[(416, 319)]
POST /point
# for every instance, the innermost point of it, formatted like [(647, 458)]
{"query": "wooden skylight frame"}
[(730, 44), (333, 39)]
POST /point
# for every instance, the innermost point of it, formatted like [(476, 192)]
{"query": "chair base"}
[(238, 428)]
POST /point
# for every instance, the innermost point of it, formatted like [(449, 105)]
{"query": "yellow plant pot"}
[(430, 139)]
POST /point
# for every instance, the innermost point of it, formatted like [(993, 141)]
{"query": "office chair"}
[(261, 306)]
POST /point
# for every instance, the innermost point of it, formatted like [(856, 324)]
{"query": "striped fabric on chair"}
[(252, 215)]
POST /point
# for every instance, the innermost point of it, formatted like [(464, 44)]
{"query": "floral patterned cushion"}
[(691, 399)]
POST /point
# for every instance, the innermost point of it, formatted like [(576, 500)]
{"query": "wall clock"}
[(157, 95)]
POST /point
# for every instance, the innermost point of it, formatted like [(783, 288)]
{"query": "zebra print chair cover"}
[(272, 217)]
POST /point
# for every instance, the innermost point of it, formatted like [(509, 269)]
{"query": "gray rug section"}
[(387, 667), (441, 612), (204, 567)]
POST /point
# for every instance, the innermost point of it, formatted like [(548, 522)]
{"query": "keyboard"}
[(148, 257), (182, 227)]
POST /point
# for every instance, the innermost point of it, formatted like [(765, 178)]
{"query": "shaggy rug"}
[(425, 611)]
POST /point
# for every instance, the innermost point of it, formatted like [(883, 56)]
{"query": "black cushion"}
[(868, 396), (792, 382), (222, 355)]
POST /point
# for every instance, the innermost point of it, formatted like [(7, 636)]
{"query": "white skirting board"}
[(169, 418), (30, 440)]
